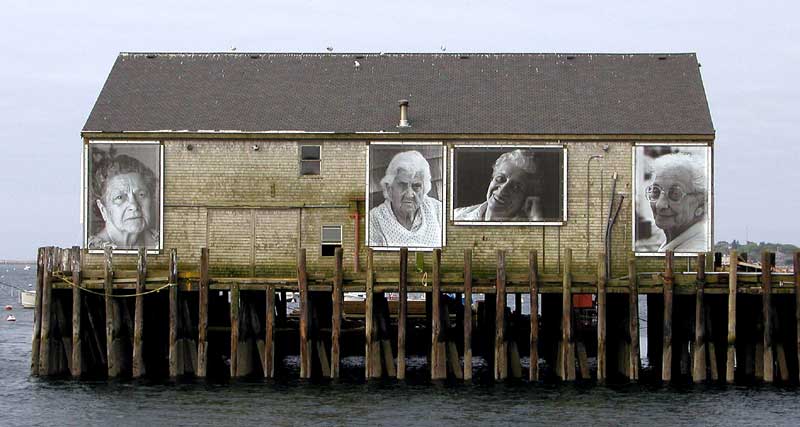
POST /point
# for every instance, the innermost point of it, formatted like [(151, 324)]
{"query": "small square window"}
[(331, 239), (310, 159)]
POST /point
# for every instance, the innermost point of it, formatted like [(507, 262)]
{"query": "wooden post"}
[(797, 302), (234, 356), (766, 300), (567, 351), (370, 358), (138, 319), (467, 314), (336, 321), (41, 265), (533, 282), (633, 281), (500, 346), (602, 353), (108, 277), (76, 366), (173, 313), (438, 355), (699, 351), (47, 290), (732, 290), (666, 359), (202, 327), (269, 335), (402, 314), (305, 340)]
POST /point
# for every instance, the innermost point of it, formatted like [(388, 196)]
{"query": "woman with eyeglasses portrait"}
[(677, 197)]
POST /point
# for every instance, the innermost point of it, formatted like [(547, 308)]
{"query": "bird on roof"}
[(356, 64), (443, 48), (329, 48), (233, 49)]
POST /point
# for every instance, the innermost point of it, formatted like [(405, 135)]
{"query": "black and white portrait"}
[(508, 185), (672, 199), (123, 196), (405, 196)]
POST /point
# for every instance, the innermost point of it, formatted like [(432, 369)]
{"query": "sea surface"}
[(25, 400)]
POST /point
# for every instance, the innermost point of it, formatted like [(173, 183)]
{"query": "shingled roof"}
[(580, 94)]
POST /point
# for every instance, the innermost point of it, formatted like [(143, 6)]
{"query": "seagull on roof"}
[(329, 48), (356, 64), (233, 49), (443, 48)]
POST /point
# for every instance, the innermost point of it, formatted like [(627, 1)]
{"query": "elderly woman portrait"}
[(125, 193), (677, 196), (408, 217), (512, 193)]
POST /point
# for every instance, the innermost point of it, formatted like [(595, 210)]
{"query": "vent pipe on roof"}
[(403, 113)]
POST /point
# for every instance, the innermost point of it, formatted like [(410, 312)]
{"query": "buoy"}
[(9, 307), (11, 318)]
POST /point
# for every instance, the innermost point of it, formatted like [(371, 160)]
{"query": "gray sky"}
[(58, 54)]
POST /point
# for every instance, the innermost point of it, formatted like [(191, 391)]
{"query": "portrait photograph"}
[(672, 199), (508, 185), (123, 194), (405, 196)]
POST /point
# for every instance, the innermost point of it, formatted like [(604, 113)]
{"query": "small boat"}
[(27, 299), (27, 267), (11, 318), (9, 307)]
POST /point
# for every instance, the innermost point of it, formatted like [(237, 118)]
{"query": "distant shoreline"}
[(12, 261)]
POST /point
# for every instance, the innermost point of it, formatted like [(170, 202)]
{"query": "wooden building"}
[(238, 129)]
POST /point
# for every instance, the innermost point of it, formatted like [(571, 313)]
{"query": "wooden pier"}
[(161, 321)]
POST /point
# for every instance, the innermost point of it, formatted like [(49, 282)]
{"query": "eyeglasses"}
[(675, 193)]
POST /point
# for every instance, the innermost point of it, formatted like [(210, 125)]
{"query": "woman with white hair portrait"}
[(408, 217), (512, 191), (677, 196)]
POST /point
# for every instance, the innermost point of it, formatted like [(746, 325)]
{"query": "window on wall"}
[(310, 159), (331, 239)]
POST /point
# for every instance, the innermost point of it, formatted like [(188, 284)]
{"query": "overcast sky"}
[(57, 56)]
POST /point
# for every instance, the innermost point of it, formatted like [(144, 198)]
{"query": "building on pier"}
[(255, 155)]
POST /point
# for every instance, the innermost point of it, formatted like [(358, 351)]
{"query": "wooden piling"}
[(269, 333), (336, 320), (602, 353), (47, 289), (402, 315), (797, 305), (666, 359), (371, 359), (112, 360), (37, 313), (138, 328), (235, 325), (699, 349), (438, 349), (500, 346), (202, 325), (633, 301), (173, 313), (567, 348), (76, 358), (732, 290), (305, 339), (766, 301), (533, 303)]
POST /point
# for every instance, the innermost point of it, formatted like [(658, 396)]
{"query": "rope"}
[(12, 286), (103, 294)]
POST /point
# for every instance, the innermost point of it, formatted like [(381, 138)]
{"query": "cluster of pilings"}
[(723, 326)]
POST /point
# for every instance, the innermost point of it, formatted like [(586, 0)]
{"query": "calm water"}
[(29, 401)]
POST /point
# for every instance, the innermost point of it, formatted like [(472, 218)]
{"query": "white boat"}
[(11, 318), (27, 299), (27, 267)]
